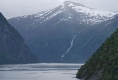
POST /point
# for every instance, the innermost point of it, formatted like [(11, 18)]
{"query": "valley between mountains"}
[(69, 33), (54, 44)]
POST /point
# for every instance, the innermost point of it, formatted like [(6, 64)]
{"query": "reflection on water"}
[(42, 71)]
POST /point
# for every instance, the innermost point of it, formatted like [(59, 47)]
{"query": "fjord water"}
[(41, 71)]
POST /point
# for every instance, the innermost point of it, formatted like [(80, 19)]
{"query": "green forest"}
[(104, 62)]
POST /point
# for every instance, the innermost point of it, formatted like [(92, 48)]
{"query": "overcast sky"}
[(13, 8)]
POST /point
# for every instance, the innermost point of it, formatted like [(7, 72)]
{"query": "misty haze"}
[(59, 40)]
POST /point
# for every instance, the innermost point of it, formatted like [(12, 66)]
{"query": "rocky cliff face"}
[(103, 65), (12, 46)]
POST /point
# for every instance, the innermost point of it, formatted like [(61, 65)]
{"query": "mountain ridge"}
[(64, 30), (75, 7)]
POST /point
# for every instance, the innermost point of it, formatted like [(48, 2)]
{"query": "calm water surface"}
[(42, 71)]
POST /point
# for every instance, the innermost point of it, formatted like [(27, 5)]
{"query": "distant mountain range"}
[(70, 32), (13, 49)]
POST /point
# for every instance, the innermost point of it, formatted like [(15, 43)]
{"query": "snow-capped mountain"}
[(81, 14), (70, 32)]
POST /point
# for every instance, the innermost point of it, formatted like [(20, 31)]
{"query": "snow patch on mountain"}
[(88, 15), (53, 15), (60, 20), (71, 4), (92, 16), (93, 12)]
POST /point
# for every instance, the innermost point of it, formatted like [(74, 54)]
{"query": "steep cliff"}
[(13, 49)]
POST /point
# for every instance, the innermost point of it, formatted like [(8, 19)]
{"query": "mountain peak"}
[(74, 11), (69, 3)]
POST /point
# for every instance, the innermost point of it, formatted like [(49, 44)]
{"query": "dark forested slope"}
[(103, 65)]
